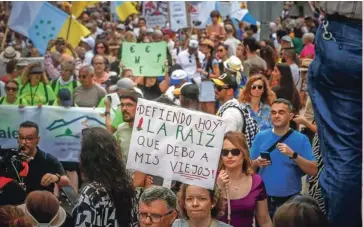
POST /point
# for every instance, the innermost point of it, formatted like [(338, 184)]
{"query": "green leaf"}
[(68, 132)]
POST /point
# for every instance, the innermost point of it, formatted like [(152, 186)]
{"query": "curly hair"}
[(101, 162), (267, 95), (12, 216), (216, 212), (239, 141)]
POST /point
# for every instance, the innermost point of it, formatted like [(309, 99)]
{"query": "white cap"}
[(121, 26), (193, 44), (178, 74), (89, 40)]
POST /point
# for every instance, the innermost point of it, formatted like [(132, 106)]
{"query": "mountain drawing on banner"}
[(68, 133), (62, 123)]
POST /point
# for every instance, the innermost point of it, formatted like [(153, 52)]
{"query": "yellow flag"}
[(76, 31), (78, 7), (124, 9)]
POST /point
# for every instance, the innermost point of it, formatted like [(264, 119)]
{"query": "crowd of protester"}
[(259, 87)]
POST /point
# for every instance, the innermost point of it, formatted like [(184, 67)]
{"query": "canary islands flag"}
[(123, 9), (40, 22)]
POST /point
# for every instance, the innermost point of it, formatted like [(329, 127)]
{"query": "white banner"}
[(60, 128), (178, 16), (155, 13), (176, 143)]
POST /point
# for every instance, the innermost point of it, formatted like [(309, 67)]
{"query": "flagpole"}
[(69, 26), (4, 39)]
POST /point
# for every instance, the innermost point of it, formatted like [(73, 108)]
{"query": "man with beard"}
[(128, 105), (44, 169)]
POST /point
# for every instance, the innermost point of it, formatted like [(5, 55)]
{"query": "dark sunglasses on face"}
[(11, 88), (234, 152), (219, 88), (220, 50), (258, 87)]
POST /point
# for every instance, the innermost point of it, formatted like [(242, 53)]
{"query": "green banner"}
[(145, 59)]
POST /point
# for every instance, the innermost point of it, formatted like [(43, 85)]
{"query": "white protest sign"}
[(176, 143), (155, 13), (178, 15)]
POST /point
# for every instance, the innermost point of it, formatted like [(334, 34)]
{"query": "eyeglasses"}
[(220, 88), (100, 47), (256, 87), (127, 105), (27, 139), (234, 152), (11, 88), (155, 218)]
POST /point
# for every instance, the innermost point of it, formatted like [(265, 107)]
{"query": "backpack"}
[(250, 126)]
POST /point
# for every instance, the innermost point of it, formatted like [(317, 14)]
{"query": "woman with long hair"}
[(12, 98), (102, 48), (200, 207), (246, 190), (210, 69), (35, 86), (268, 54), (108, 199), (222, 56), (257, 97)]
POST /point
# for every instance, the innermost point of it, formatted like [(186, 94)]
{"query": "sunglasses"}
[(220, 50), (234, 152), (256, 87), (220, 88), (11, 88), (100, 47)]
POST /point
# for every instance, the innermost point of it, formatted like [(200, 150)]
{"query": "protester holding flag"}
[(35, 88)]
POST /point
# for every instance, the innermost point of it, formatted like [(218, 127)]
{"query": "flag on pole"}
[(123, 9), (204, 14), (242, 14), (78, 7), (41, 22)]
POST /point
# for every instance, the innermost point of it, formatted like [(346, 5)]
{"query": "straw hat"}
[(9, 54)]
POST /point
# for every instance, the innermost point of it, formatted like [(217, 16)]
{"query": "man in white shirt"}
[(224, 88), (88, 44), (188, 59), (231, 42)]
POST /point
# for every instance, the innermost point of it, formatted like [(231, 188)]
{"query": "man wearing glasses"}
[(44, 169), (157, 207)]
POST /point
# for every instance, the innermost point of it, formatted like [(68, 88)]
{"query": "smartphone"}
[(71, 195), (266, 155)]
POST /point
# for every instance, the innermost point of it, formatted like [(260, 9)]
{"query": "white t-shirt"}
[(232, 45), (188, 63), (88, 57), (296, 76), (233, 117)]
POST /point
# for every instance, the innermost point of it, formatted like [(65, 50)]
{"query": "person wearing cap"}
[(190, 58), (286, 42), (231, 41), (88, 44), (67, 78), (250, 46), (178, 78), (8, 54), (88, 94), (225, 87), (209, 69), (35, 88), (121, 28), (189, 96)]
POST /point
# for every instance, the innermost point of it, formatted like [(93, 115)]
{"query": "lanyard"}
[(31, 93)]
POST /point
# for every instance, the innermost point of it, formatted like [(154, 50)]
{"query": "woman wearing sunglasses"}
[(199, 207), (246, 190), (222, 52), (11, 90), (257, 98)]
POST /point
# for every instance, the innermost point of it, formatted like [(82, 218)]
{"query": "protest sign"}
[(176, 143), (178, 15), (155, 13), (60, 129), (145, 59)]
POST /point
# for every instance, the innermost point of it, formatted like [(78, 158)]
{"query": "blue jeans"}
[(335, 87)]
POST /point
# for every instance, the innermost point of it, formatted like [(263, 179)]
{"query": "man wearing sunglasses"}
[(157, 207), (224, 88), (44, 169), (282, 162)]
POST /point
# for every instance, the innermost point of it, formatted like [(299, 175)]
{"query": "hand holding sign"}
[(145, 59)]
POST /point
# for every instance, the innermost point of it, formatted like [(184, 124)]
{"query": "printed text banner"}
[(176, 143), (60, 129), (145, 59)]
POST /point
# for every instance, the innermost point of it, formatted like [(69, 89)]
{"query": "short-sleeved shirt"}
[(188, 63), (243, 210), (283, 177), (40, 94), (232, 44), (88, 97), (42, 164), (123, 136), (263, 115), (19, 101), (118, 114)]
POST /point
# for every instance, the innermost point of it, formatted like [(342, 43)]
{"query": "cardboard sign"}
[(176, 143), (178, 15), (145, 59)]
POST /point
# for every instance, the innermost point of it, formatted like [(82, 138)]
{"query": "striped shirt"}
[(349, 9)]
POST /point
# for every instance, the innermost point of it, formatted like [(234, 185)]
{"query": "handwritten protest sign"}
[(176, 143), (178, 15), (145, 59), (155, 13)]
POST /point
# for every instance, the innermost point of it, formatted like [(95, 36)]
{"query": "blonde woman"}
[(246, 190), (35, 89)]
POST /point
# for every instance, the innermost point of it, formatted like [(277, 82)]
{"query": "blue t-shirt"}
[(283, 177)]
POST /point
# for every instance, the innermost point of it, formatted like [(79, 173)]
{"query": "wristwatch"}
[(59, 178), (294, 156), (107, 113)]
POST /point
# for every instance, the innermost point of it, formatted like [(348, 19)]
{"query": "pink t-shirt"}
[(101, 80), (308, 51)]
